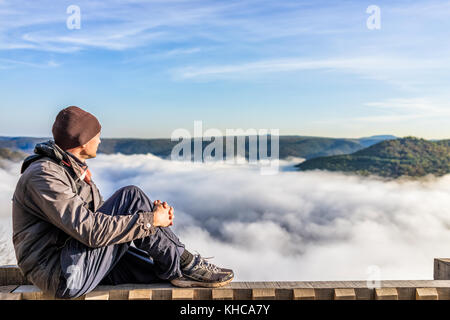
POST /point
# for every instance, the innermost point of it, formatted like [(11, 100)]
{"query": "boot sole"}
[(192, 283)]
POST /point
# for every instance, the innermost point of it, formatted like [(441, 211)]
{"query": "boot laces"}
[(205, 264)]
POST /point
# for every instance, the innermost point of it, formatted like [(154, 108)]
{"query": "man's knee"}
[(127, 200), (134, 192), (131, 189)]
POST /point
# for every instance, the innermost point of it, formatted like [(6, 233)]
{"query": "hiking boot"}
[(201, 273)]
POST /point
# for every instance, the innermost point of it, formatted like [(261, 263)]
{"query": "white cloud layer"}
[(8, 180), (290, 226)]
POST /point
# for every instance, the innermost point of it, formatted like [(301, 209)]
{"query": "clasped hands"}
[(162, 214)]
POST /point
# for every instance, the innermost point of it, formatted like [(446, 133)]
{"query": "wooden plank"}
[(339, 284), (6, 293), (441, 269), (263, 294), (11, 275), (140, 294), (3, 277), (128, 291), (304, 294), (426, 294), (365, 294), (283, 294), (236, 285), (284, 284), (222, 294), (29, 292), (386, 294), (97, 295), (162, 294), (344, 294), (324, 293), (406, 293), (244, 292), (202, 293), (182, 294), (415, 283), (118, 294), (443, 293), (320, 290)]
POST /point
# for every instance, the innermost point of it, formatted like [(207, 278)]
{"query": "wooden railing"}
[(14, 286)]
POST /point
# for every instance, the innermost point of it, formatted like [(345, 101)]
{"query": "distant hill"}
[(407, 156), (289, 146), (25, 144), (368, 141), (11, 155)]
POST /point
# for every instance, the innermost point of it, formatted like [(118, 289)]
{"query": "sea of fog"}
[(288, 226)]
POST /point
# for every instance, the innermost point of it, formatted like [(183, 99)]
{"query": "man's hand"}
[(163, 214)]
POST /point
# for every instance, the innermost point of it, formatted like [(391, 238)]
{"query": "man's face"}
[(90, 148)]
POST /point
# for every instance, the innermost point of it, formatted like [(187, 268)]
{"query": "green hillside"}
[(407, 156)]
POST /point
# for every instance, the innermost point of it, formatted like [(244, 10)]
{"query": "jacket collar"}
[(85, 173), (78, 161), (52, 150)]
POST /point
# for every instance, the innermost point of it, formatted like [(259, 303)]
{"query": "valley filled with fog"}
[(293, 225)]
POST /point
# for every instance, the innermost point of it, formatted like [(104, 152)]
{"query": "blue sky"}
[(146, 68)]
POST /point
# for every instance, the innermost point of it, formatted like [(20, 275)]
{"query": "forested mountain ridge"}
[(409, 156)]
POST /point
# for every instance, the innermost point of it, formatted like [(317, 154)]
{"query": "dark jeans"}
[(152, 259)]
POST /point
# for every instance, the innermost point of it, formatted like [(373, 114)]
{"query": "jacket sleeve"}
[(51, 192)]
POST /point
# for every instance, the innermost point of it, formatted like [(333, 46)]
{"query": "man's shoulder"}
[(36, 174), (44, 165)]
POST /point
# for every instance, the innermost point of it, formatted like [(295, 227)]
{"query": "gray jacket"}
[(51, 205)]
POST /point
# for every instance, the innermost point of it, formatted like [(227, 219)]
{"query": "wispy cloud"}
[(228, 22), (393, 70), (259, 26), (418, 106), (116, 26), (110, 41), (9, 63), (396, 110)]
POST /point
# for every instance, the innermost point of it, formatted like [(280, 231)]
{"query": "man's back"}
[(37, 241)]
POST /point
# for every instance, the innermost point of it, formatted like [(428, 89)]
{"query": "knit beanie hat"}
[(74, 127)]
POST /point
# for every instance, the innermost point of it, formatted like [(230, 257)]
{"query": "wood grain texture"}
[(97, 295), (182, 294), (426, 294), (140, 294), (263, 294), (287, 290), (222, 294), (344, 294), (304, 294), (441, 269), (6, 293), (386, 294), (11, 275)]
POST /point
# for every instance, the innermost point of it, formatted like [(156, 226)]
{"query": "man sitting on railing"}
[(68, 240)]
